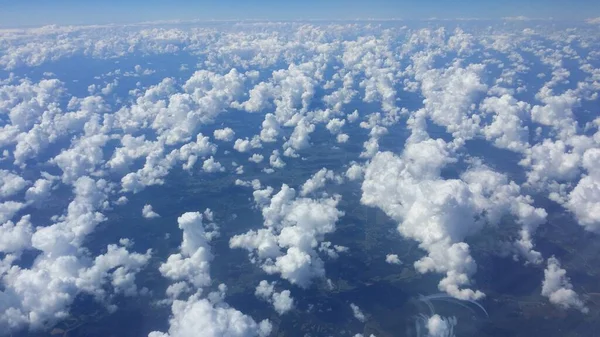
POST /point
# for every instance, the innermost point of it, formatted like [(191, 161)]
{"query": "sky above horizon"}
[(42, 12)]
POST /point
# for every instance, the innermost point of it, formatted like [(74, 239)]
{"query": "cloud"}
[(335, 125), (264, 290), (148, 213), (190, 152), (550, 160), (557, 110), (225, 134), (211, 165), (355, 171), (83, 158), (82, 217), (342, 138), (205, 95), (318, 180), (192, 263), (40, 296), (39, 192), (557, 287), (440, 213), (358, 314), (121, 201), (245, 145), (255, 183), (15, 237), (10, 184), (449, 95), (300, 138), (282, 301), (209, 316), (472, 85), (275, 160), (175, 114), (438, 326), (256, 158), (593, 21), (506, 130), (352, 117), (293, 227), (8, 209), (270, 128), (584, 199), (199, 316), (392, 259)]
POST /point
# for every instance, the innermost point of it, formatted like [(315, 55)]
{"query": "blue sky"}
[(38, 12)]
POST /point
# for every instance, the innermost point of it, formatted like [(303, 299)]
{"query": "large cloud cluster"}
[(558, 288), (293, 234), (206, 315), (440, 213), (524, 92)]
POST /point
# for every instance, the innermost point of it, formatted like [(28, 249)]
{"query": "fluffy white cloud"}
[(584, 199), (438, 326), (255, 183), (81, 218), (300, 138), (148, 212), (211, 165), (440, 213), (201, 316), (557, 111), (557, 287), (41, 295), (245, 145), (293, 228), (275, 160), (209, 316), (190, 152), (83, 158), (551, 160), (39, 192), (352, 117), (449, 94), (358, 314), (506, 129), (192, 263), (270, 129), (371, 148), (335, 125), (121, 201), (392, 259), (355, 171), (15, 237), (206, 94), (8, 209), (342, 138), (225, 134), (256, 158), (318, 180), (264, 290), (10, 183), (282, 301)]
